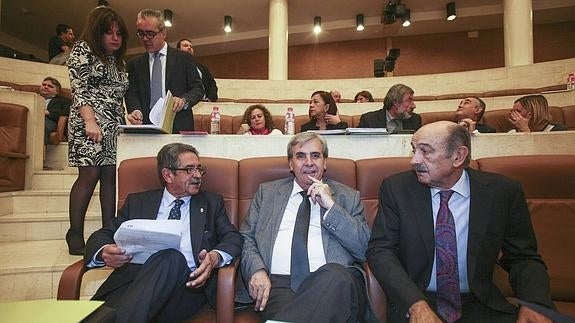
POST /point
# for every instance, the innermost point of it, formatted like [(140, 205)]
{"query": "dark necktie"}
[(175, 213), (156, 81), (448, 296), (299, 257)]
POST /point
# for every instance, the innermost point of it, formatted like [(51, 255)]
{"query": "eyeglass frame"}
[(190, 170), (147, 34)]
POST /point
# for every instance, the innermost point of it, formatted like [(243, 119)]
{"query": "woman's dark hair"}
[(99, 22), (365, 94), (328, 99), (267, 116)]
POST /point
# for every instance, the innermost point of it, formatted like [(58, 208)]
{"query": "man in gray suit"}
[(332, 288)]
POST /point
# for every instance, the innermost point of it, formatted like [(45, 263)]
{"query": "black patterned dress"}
[(102, 87)]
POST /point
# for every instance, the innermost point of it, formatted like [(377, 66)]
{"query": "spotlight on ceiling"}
[(450, 8), (168, 17), (359, 26), (228, 24), (317, 24), (406, 18)]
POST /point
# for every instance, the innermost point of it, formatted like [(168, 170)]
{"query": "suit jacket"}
[(210, 229), (378, 119), (210, 86), (344, 230), (402, 246), (182, 79), (58, 106), (484, 128)]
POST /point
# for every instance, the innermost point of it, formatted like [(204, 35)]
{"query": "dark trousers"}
[(472, 311), (49, 127), (157, 293), (333, 293)]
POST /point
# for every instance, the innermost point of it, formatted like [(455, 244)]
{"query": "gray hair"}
[(302, 138), (168, 157)]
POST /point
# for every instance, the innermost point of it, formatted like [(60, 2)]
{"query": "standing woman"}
[(98, 80)]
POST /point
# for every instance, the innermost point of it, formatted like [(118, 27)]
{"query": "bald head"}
[(441, 150)]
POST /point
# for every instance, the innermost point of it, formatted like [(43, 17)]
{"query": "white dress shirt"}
[(281, 256), (459, 207)]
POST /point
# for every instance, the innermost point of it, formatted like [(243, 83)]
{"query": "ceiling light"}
[(167, 17), (450, 8), (317, 24), (359, 22), (406, 18), (228, 24)]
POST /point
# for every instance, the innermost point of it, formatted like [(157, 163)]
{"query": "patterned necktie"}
[(448, 296), (299, 257), (156, 81), (175, 213)]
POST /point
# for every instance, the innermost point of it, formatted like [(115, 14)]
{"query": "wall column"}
[(518, 32), (278, 40)]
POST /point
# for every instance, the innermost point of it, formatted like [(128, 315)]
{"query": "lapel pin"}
[(201, 210)]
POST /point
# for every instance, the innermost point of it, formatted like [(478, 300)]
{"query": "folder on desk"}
[(161, 115)]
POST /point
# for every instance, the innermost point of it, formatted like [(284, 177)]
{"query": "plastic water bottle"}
[(215, 121), (571, 82), (290, 122)]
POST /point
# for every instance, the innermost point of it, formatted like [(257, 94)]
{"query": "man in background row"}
[(397, 112), (210, 86), (160, 69), (468, 114), (336, 96), (56, 105), (59, 45)]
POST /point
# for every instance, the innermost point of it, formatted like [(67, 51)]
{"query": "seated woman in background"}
[(257, 120), (531, 113), (362, 97), (323, 113)]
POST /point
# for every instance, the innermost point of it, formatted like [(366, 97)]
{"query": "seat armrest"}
[(13, 155), (377, 299), (71, 281), (226, 292)]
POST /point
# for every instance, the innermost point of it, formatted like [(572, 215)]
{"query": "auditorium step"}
[(42, 226), (40, 201), (32, 269)]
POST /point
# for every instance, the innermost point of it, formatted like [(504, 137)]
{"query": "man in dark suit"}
[(172, 284), (468, 114), (178, 74), (56, 105), (440, 230), (324, 283), (210, 86), (397, 113)]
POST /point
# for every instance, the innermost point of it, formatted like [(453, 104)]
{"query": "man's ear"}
[(167, 174), (459, 156)]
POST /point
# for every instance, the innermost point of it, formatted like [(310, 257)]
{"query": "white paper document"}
[(141, 238), (158, 112)]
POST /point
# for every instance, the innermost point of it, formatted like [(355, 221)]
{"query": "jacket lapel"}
[(479, 208), (152, 212), (170, 67), (422, 210), (198, 213)]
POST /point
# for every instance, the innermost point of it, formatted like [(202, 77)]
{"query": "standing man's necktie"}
[(175, 213), (299, 257), (448, 296), (156, 81)]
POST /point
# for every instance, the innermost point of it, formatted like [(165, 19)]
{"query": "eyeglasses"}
[(148, 34), (192, 169)]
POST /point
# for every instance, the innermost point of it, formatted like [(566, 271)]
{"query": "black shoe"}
[(75, 243)]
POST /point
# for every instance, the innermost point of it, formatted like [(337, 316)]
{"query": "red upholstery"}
[(13, 127)]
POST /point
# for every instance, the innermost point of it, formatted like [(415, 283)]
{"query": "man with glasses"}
[(172, 284), (397, 113), (160, 69)]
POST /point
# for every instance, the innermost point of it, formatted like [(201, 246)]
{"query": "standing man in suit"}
[(210, 86), (440, 230), (172, 284), (56, 105), (304, 237), (468, 114), (397, 112), (176, 72)]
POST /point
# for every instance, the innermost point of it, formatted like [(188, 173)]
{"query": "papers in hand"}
[(142, 238), (161, 115)]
